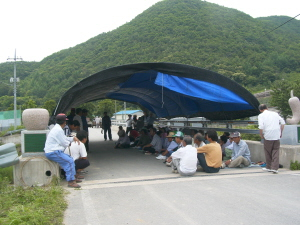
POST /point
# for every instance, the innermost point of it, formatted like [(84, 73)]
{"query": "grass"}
[(31, 205), (295, 165), (3, 133)]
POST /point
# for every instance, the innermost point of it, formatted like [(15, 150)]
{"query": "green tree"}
[(106, 105), (281, 94), (50, 106), (29, 104)]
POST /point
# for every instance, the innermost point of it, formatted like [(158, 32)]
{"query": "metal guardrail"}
[(228, 125), (203, 124)]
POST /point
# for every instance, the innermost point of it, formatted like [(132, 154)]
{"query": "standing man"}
[(106, 124), (78, 117), (129, 124), (85, 128), (55, 145), (270, 126)]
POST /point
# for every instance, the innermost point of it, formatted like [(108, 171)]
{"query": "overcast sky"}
[(37, 29)]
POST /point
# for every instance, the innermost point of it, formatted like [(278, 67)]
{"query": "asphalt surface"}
[(123, 186)]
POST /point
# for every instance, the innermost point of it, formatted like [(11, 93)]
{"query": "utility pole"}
[(15, 80)]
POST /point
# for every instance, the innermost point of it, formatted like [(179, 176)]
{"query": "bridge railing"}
[(203, 124)]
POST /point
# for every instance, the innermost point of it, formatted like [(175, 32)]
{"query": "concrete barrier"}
[(16, 138), (287, 153)]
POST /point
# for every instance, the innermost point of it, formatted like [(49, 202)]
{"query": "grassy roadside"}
[(31, 205)]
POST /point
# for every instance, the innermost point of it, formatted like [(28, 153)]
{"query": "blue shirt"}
[(240, 149)]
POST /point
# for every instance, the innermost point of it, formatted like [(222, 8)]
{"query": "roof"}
[(166, 89), (128, 112)]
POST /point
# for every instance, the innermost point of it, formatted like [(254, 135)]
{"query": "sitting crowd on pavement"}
[(184, 153)]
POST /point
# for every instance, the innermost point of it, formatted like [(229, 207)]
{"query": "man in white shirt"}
[(270, 126), (184, 160), (97, 120), (129, 124), (56, 143), (78, 152)]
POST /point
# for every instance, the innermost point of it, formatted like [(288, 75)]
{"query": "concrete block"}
[(287, 153), (290, 135), (35, 171)]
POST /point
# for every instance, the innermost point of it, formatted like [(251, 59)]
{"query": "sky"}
[(37, 29)]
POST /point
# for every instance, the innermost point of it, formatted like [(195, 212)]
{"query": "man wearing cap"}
[(240, 153), (55, 145), (170, 145), (184, 160), (178, 139), (270, 126)]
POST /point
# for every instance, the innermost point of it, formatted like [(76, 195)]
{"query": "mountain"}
[(190, 32)]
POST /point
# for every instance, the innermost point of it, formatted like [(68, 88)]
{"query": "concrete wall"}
[(286, 154)]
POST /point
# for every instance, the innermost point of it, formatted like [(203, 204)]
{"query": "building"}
[(123, 115)]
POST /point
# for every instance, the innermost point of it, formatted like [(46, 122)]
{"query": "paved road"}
[(124, 186)]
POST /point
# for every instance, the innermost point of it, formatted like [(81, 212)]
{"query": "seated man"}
[(156, 145), (184, 160), (78, 153), (123, 141), (240, 154), (199, 140), (56, 143), (212, 160), (144, 139), (133, 134), (178, 139), (74, 127), (170, 145)]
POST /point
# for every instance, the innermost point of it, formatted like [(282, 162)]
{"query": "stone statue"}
[(295, 107)]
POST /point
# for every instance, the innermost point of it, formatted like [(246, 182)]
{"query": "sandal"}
[(74, 185), (79, 176)]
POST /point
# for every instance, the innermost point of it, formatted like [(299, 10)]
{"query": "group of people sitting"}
[(188, 153), (68, 149)]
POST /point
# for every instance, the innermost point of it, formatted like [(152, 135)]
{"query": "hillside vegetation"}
[(190, 32)]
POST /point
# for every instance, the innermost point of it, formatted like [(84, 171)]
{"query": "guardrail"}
[(203, 124), (218, 125)]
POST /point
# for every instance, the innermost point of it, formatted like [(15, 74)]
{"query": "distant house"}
[(123, 115)]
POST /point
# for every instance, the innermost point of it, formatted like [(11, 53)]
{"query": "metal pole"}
[(15, 87), (15, 93)]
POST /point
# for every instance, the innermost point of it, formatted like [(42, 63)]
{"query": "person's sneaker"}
[(168, 164), (266, 170), (241, 166), (148, 153), (223, 165), (174, 171), (111, 140), (161, 157), (274, 171)]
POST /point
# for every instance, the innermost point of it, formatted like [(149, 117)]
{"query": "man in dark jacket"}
[(106, 124)]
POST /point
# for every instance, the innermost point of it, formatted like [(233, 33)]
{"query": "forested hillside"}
[(190, 32)]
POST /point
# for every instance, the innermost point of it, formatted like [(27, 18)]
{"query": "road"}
[(123, 186)]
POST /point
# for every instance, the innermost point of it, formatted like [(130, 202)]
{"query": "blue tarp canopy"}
[(166, 89)]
